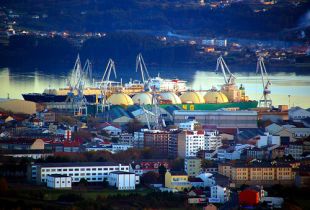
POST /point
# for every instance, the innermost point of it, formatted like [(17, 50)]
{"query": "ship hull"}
[(209, 106), (50, 98)]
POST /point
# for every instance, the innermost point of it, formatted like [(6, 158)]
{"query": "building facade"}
[(122, 180), (91, 171), (58, 181), (192, 166)]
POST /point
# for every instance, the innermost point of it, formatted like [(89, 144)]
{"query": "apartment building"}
[(91, 171), (157, 140), (192, 166), (213, 140), (262, 173)]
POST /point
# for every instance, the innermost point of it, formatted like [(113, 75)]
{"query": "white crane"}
[(76, 83), (265, 101), (140, 65), (87, 71), (220, 63), (105, 81)]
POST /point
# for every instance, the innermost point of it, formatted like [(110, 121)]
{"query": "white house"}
[(228, 153), (219, 194), (122, 180), (207, 179), (297, 114), (190, 125), (111, 129), (58, 181)]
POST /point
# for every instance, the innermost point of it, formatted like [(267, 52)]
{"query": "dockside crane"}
[(228, 76), (105, 82), (140, 66), (76, 84), (88, 71), (265, 100)]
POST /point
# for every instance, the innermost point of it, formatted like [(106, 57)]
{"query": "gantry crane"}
[(265, 100), (230, 80)]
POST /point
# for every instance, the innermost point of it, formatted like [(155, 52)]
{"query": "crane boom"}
[(140, 65), (220, 63), (261, 68)]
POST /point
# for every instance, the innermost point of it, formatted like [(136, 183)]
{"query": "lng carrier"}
[(168, 91)]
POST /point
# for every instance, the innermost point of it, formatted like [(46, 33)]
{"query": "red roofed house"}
[(113, 130)]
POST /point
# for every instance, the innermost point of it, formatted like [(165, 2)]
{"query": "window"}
[(93, 169), (87, 169), (76, 169), (99, 169), (71, 169), (82, 169), (64, 169), (94, 174)]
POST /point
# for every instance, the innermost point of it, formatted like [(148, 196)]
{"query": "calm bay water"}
[(283, 84)]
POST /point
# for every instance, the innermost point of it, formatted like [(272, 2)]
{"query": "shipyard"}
[(162, 104)]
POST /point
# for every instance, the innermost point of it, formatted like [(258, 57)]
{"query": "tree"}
[(105, 183), (83, 182), (134, 125), (162, 171), (150, 177)]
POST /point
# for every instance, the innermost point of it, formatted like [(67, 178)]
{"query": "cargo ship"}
[(167, 92)]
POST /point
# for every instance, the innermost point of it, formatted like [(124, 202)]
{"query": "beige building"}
[(258, 173)]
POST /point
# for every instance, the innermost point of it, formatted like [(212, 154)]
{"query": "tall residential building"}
[(213, 140), (186, 143), (138, 139), (219, 193), (157, 140)]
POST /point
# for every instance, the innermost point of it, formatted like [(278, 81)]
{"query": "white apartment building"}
[(138, 138), (219, 194), (213, 140), (126, 138), (91, 171), (194, 142), (58, 181), (122, 180)]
